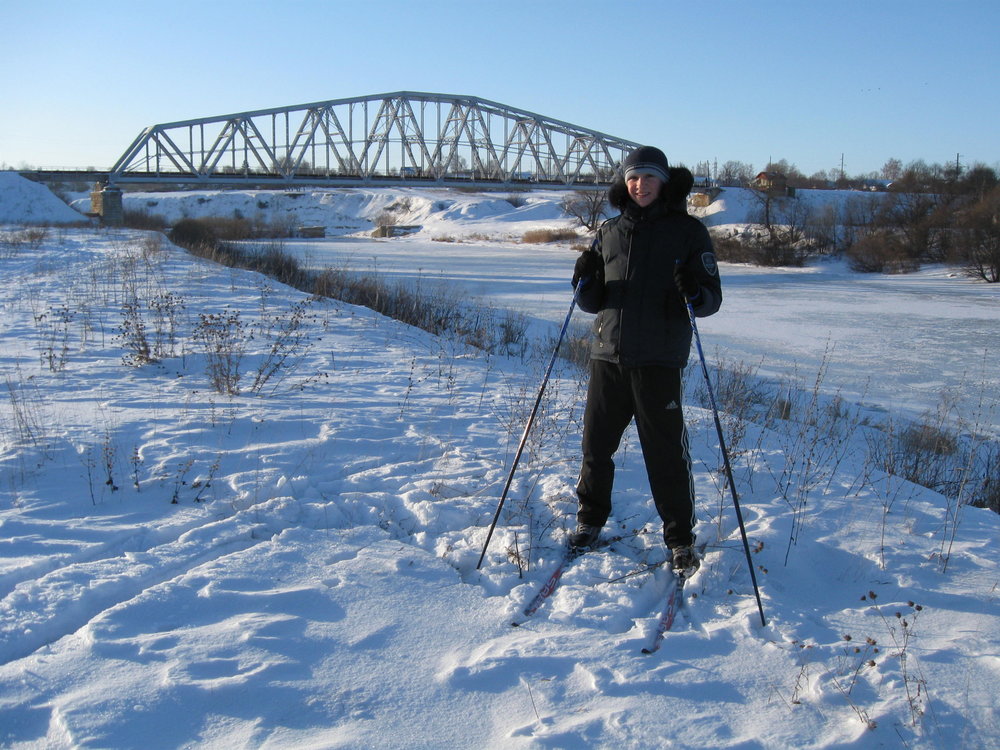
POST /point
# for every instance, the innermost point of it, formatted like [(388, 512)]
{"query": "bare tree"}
[(892, 169), (978, 181), (735, 174), (793, 176), (977, 233), (587, 207), (912, 215), (785, 221)]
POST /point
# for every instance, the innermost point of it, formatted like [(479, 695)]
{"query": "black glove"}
[(687, 283), (589, 266)]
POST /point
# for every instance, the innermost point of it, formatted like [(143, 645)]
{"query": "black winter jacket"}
[(641, 316)]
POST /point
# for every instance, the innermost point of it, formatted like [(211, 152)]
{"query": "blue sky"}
[(806, 81)]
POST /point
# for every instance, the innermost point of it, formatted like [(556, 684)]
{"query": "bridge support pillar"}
[(106, 202)]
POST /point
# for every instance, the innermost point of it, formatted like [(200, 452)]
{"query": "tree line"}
[(917, 176), (928, 214), (919, 214)]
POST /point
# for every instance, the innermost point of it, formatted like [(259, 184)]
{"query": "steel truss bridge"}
[(385, 139)]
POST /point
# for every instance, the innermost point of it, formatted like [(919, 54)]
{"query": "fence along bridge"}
[(385, 139)]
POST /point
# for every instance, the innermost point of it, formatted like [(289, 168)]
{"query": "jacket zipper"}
[(627, 281)]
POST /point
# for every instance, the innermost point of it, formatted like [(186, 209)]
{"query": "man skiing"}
[(643, 267)]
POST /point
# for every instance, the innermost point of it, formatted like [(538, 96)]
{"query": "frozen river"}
[(900, 342)]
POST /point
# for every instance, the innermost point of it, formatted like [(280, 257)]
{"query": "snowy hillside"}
[(294, 565), (24, 202), (351, 211), (434, 211)]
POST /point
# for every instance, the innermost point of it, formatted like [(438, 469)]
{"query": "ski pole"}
[(531, 419), (725, 457)]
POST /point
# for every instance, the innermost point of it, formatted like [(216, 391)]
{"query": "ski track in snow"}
[(315, 583)]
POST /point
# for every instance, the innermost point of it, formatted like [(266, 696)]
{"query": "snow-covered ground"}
[(295, 566)]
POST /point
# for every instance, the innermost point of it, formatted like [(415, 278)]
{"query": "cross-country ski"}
[(671, 607), (550, 584)]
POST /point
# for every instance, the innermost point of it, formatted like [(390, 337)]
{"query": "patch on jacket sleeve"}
[(711, 264)]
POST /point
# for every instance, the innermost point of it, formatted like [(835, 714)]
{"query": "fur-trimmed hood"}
[(673, 197)]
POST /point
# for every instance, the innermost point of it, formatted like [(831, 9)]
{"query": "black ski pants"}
[(652, 396)]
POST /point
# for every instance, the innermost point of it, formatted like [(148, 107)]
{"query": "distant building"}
[(876, 185), (771, 182)]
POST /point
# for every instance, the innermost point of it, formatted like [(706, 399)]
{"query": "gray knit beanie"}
[(647, 160)]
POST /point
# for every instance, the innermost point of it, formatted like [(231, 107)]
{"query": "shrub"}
[(728, 248), (288, 336), (271, 259), (977, 238), (587, 207), (882, 252), (132, 333), (224, 343), (932, 454), (385, 220), (194, 234), (208, 230), (760, 250), (143, 219), (539, 236), (576, 347), (989, 495), (30, 237)]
